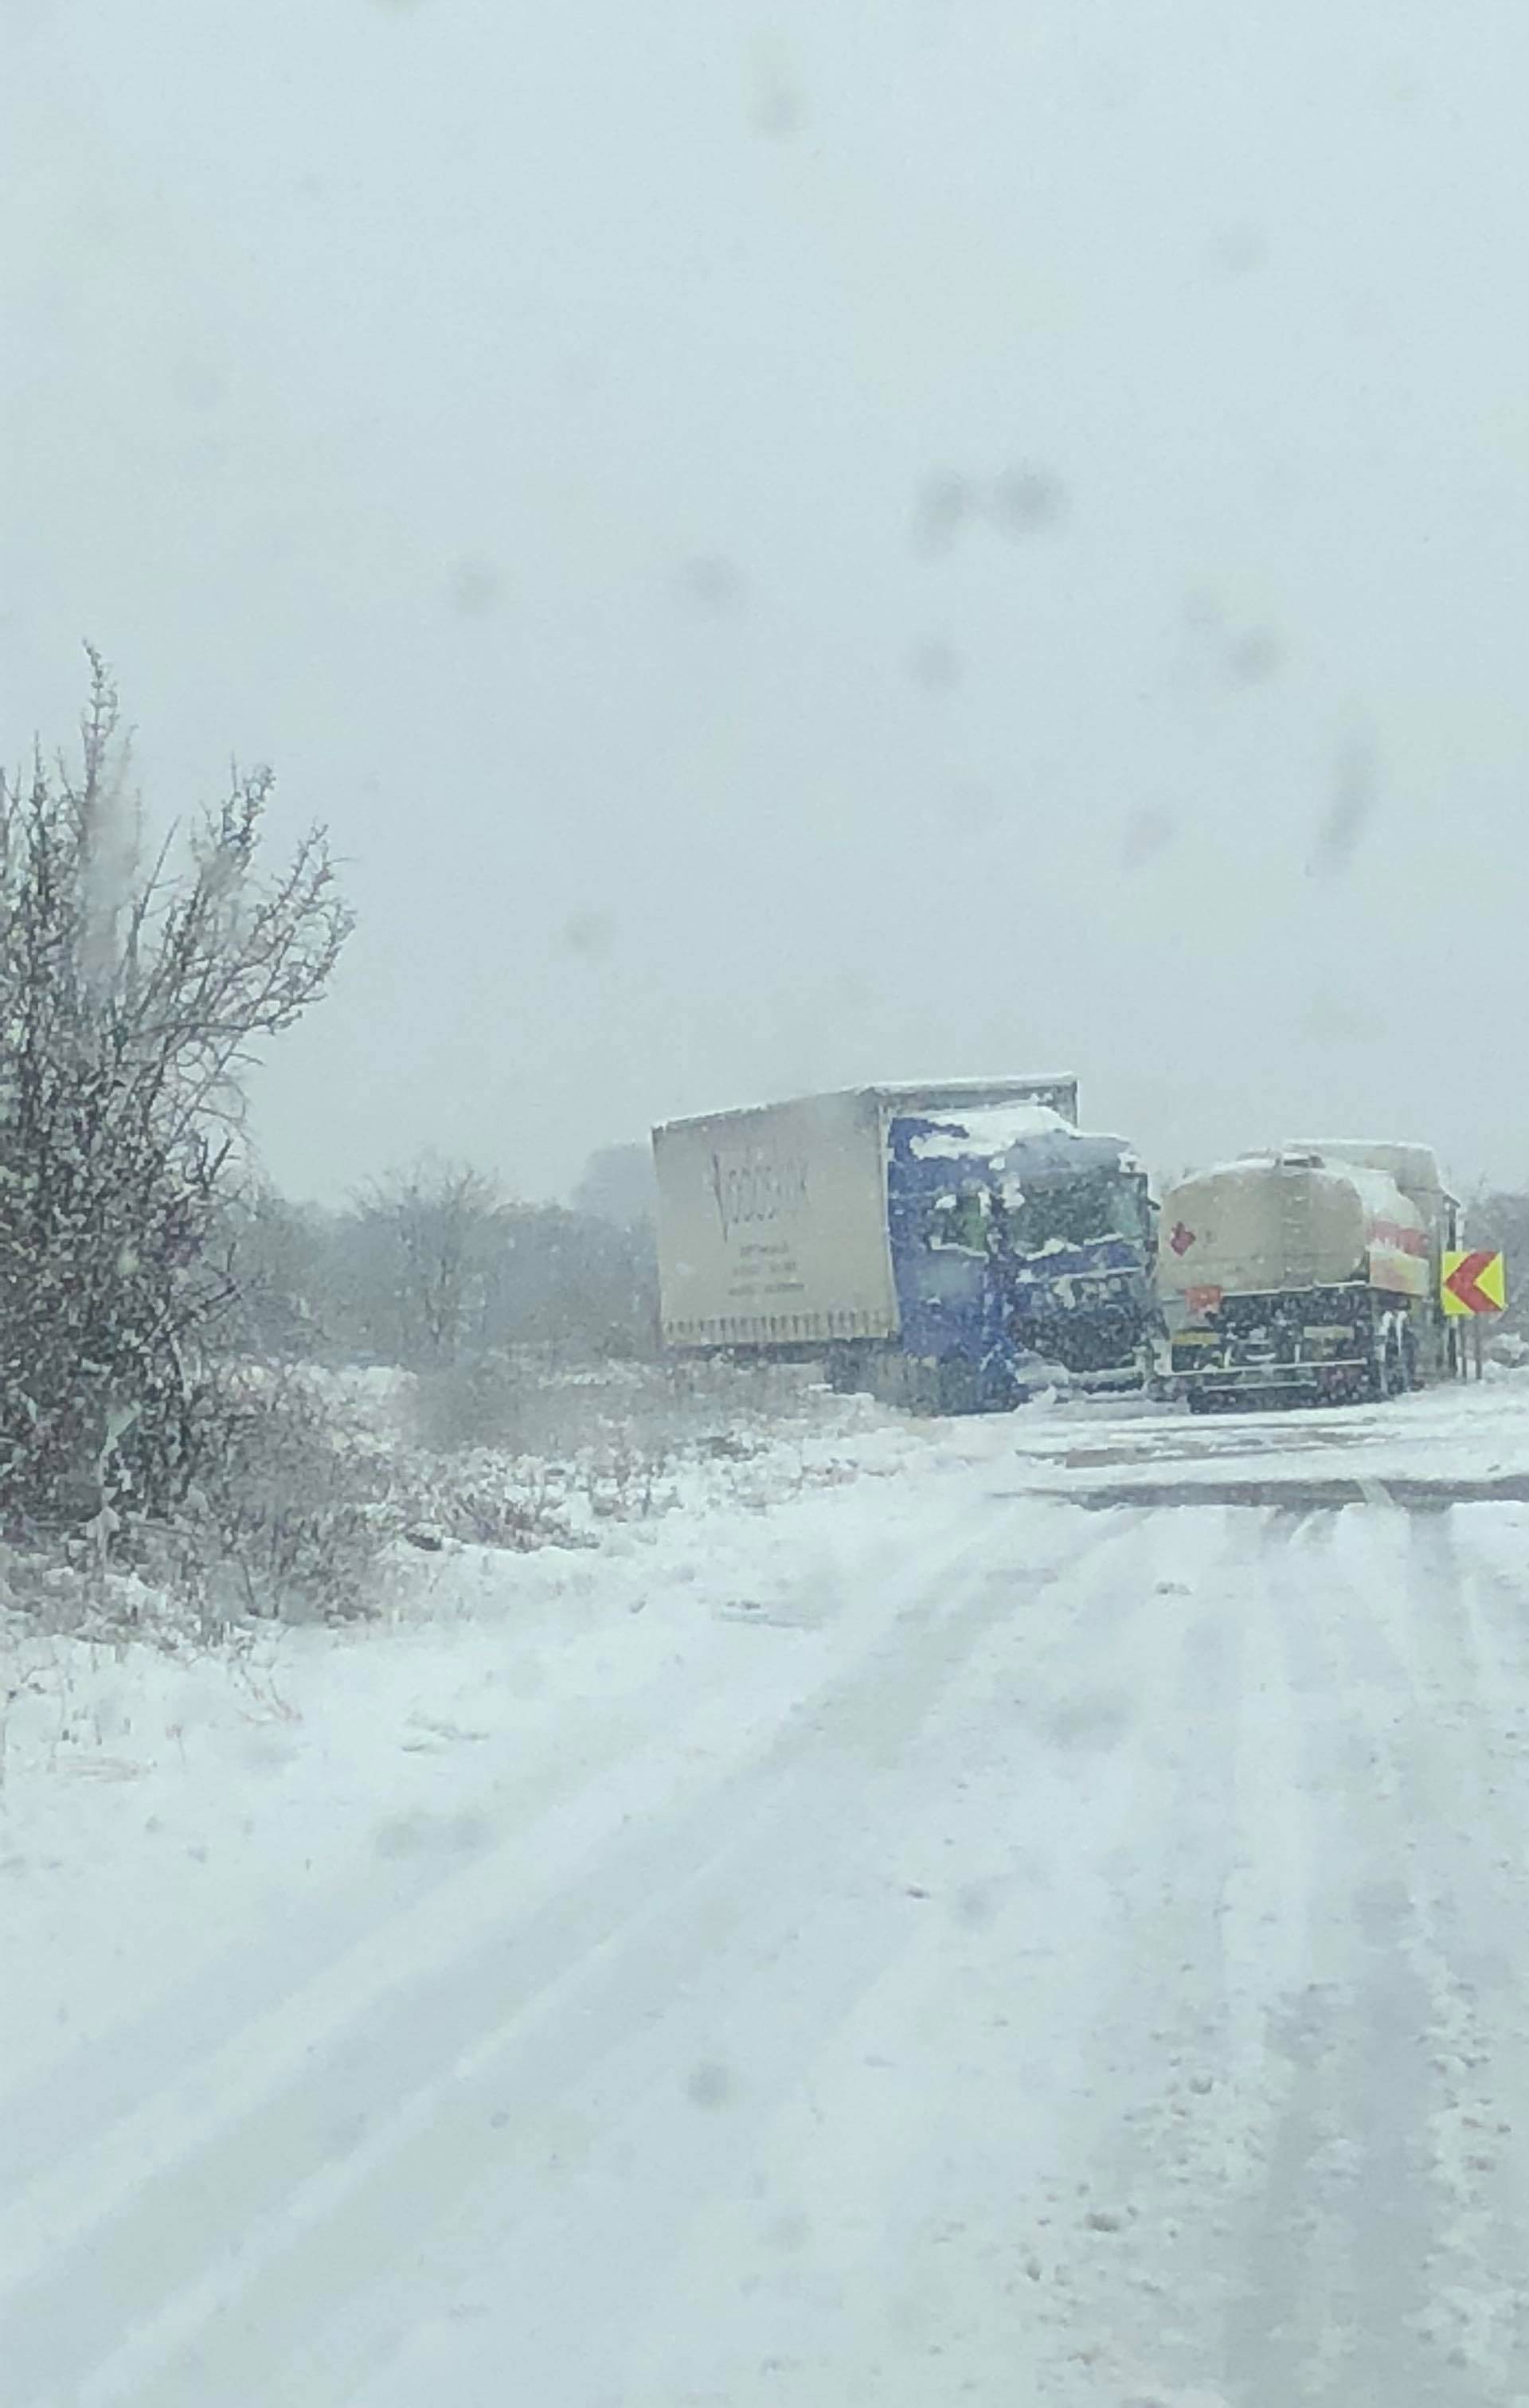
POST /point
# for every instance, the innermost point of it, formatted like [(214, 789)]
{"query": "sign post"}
[(1473, 1285)]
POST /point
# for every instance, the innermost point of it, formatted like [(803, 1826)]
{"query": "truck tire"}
[(1377, 1381), (845, 1369), (1387, 1376), (956, 1386)]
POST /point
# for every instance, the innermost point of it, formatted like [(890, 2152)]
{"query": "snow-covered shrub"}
[(133, 984), (625, 1480), (295, 1509), (491, 1500), (477, 1402), (525, 1404)]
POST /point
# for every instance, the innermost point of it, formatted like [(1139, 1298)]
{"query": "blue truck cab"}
[(1022, 1248)]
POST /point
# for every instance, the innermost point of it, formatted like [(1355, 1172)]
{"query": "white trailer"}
[(773, 1224)]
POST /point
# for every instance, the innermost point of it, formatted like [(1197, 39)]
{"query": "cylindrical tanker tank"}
[(1295, 1273)]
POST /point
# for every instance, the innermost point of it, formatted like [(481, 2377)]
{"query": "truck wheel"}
[(1377, 1380), (842, 1370), (956, 1386), (997, 1390), (1391, 1369)]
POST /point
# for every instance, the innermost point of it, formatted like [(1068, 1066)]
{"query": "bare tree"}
[(1500, 1217), (618, 1186), (133, 988), (428, 1245)]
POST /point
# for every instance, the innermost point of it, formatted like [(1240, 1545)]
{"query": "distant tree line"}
[(435, 1264)]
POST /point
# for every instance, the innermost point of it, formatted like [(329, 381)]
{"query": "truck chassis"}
[(1324, 1345)]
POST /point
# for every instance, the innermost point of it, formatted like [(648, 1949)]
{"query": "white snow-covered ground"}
[(1030, 1910)]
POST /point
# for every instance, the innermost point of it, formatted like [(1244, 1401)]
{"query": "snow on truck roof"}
[(1413, 1166), (947, 1094), (1378, 1190), (936, 1099), (990, 1129), (997, 1130)]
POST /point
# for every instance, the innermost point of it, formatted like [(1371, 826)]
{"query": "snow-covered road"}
[(1046, 1924)]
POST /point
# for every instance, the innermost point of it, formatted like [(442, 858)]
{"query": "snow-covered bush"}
[(489, 1500), (133, 984), (478, 1402), (293, 1512)]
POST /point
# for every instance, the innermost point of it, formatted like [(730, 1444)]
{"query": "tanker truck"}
[(939, 1246), (1311, 1274)]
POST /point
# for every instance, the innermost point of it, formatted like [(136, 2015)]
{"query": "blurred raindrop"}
[(199, 386), (711, 584), (1254, 656), (943, 505), (583, 372), (1024, 501), (1028, 501), (475, 588), (1327, 1020), (789, 2230), (1240, 251), (1113, 87), (709, 2085), (1341, 828), (976, 1903), (1147, 833), (1247, 655), (935, 665), (776, 107), (589, 933), (972, 807)]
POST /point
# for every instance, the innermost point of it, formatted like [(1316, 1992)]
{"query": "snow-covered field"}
[(1030, 1911)]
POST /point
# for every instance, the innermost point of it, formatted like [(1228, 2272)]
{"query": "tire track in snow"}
[(965, 2092), (64, 2107), (175, 2063), (1470, 1794), (1363, 2286), (1136, 2301), (765, 2311), (288, 2173)]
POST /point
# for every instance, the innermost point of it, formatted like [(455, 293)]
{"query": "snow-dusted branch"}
[(133, 987)]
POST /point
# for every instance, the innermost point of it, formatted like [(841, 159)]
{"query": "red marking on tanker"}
[(1180, 1239), (1400, 1240)]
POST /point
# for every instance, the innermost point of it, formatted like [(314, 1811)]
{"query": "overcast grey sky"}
[(808, 542)]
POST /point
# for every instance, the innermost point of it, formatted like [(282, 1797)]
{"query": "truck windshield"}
[(962, 1224), (1076, 1211)]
